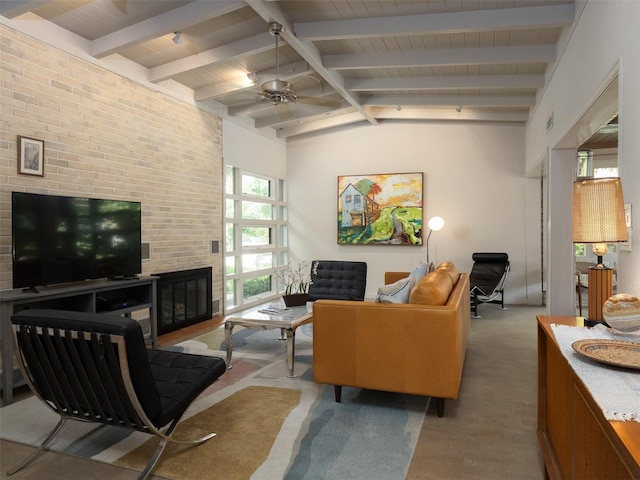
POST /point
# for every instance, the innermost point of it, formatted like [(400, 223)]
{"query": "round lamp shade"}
[(435, 223)]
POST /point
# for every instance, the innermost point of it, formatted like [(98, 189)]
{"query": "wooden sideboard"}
[(576, 440)]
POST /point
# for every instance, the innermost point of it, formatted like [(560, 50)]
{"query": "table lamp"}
[(434, 224), (598, 218)]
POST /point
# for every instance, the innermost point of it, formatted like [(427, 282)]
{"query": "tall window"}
[(255, 237)]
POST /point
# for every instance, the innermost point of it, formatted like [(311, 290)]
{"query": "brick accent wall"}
[(108, 137)]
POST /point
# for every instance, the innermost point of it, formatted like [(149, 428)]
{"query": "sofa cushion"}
[(420, 271), (397, 292), (451, 269), (433, 289)]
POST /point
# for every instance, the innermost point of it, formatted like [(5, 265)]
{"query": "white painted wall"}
[(607, 35), (474, 179), (249, 150)]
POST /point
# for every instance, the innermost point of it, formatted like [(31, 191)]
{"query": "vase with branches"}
[(295, 279)]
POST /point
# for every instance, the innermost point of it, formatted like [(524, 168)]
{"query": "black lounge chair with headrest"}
[(487, 279), (96, 368), (337, 280)]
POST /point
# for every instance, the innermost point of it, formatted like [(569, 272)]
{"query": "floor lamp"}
[(598, 218), (434, 224)]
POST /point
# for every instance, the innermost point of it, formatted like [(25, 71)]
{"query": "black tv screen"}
[(59, 239)]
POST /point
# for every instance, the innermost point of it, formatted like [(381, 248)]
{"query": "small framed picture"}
[(30, 156)]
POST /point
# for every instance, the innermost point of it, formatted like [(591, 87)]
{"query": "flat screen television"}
[(59, 239)]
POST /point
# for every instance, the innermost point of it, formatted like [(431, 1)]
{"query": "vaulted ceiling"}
[(347, 61)]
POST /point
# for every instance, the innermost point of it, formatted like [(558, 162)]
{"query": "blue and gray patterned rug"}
[(269, 426)]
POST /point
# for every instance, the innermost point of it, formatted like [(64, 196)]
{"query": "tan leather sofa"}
[(415, 348)]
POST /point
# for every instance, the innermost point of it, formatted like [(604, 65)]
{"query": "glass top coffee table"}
[(265, 318)]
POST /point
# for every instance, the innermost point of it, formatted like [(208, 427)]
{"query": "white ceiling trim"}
[(297, 118), (163, 24), (458, 22), (464, 100), (451, 114), (247, 46), (325, 123), (448, 82), (461, 56)]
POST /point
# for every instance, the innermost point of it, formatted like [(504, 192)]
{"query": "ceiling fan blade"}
[(320, 102), (284, 112)]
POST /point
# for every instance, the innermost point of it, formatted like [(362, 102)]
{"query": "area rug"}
[(252, 429), (269, 426)]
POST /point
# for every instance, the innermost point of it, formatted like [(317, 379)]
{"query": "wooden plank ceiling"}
[(347, 61)]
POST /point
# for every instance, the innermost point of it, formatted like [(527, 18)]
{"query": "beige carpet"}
[(249, 433), (489, 432)]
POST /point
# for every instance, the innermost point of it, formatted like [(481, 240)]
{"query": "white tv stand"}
[(115, 297)]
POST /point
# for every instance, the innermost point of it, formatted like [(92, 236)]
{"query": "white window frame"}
[(277, 245)]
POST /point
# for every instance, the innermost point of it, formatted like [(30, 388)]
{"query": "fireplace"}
[(184, 298)]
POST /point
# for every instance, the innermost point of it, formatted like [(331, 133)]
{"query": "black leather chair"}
[(337, 280), (96, 368), (487, 279)]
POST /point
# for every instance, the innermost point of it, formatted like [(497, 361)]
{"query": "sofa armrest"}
[(392, 277)]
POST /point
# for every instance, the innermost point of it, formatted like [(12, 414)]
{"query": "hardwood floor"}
[(186, 333)]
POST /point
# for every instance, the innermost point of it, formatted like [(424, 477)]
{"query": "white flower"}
[(295, 278)]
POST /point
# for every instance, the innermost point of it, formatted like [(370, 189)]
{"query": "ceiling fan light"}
[(278, 98), (276, 86), (277, 92)]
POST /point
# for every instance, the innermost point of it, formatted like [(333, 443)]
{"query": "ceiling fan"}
[(280, 92), (277, 91)]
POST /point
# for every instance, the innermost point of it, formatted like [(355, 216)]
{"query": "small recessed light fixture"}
[(459, 108), (398, 108), (177, 38), (253, 77)]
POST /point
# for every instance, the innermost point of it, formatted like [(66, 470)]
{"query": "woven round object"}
[(622, 312)]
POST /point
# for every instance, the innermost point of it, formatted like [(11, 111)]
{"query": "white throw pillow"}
[(397, 292), (420, 271)]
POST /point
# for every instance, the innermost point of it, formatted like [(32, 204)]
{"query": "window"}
[(255, 237), (604, 172)]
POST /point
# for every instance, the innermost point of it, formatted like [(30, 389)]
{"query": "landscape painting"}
[(381, 209)]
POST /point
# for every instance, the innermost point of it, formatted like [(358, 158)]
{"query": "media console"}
[(122, 297)]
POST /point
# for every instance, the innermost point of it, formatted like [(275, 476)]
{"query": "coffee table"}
[(286, 320)]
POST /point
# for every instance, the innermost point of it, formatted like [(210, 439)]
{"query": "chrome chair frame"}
[(78, 368)]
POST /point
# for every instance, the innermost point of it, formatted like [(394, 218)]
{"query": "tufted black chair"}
[(487, 278), (337, 280), (96, 368)]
